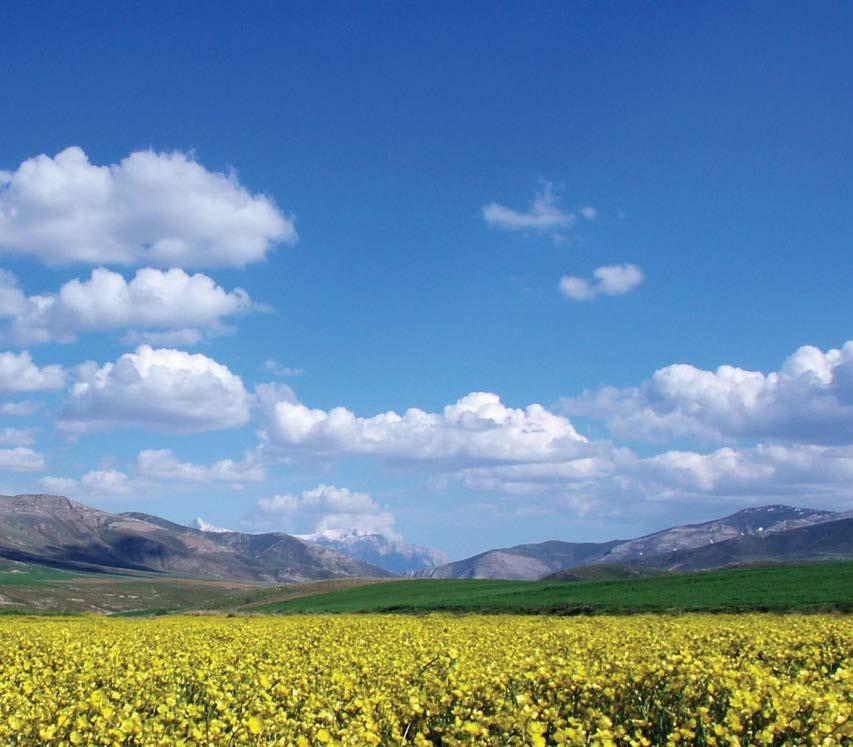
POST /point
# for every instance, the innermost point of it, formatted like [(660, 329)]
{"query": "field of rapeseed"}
[(725, 680)]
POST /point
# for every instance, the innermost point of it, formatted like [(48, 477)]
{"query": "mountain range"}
[(765, 534), (377, 549), (57, 531), (54, 530)]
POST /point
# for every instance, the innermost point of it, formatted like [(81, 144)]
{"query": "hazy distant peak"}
[(335, 535), (371, 547), (49, 528), (757, 533)]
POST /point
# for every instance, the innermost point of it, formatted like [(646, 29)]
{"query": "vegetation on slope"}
[(807, 586), (31, 588)]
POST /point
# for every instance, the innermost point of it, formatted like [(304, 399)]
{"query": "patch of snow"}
[(204, 526), (333, 535), (377, 549)]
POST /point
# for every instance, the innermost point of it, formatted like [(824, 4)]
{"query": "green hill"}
[(603, 572), (808, 586)]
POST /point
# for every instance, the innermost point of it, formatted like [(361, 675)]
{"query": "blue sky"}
[(415, 202)]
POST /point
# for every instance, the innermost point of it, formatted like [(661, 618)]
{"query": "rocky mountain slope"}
[(377, 549), (748, 522), (771, 533), (830, 540), (65, 533), (523, 562)]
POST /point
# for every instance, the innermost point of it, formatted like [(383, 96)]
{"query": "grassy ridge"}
[(785, 588), (29, 588), (17, 574)]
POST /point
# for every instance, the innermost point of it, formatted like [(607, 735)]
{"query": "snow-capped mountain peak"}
[(203, 526), (334, 535), (377, 549)]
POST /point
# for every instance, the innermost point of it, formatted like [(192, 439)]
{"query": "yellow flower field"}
[(369, 680)]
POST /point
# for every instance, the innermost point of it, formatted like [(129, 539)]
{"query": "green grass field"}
[(809, 586), (18, 574), (29, 588)]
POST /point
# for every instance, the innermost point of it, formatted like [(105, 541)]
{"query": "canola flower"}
[(438, 679)]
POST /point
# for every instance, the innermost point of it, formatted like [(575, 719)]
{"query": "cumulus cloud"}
[(160, 209), (806, 473), (206, 526), (21, 459), (16, 437), (790, 435), (97, 482), (161, 464), (610, 280), (477, 428), (330, 507), (582, 472), (172, 338), (619, 481), (789, 440), (108, 482), (185, 306), (809, 400), (161, 389), (277, 369), (19, 409), (66, 486), (18, 373), (543, 216)]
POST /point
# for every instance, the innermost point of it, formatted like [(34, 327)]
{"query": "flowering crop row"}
[(370, 680)]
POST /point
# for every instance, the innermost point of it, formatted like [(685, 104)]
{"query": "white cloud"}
[(543, 216), (162, 389), (107, 482), (804, 473), (618, 481), (21, 459), (574, 474), (161, 464), (16, 437), (809, 400), (161, 209), (276, 369), (172, 338), (476, 429), (803, 411), (206, 526), (611, 280), (184, 305), (12, 299), (535, 454), (329, 507), (19, 409), (96, 482), (590, 213), (60, 485), (18, 373)]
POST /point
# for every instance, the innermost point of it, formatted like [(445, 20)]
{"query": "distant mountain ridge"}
[(60, 531), (747, 522), (523, 562), (827, 540), (767, 533), (397, 557)]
